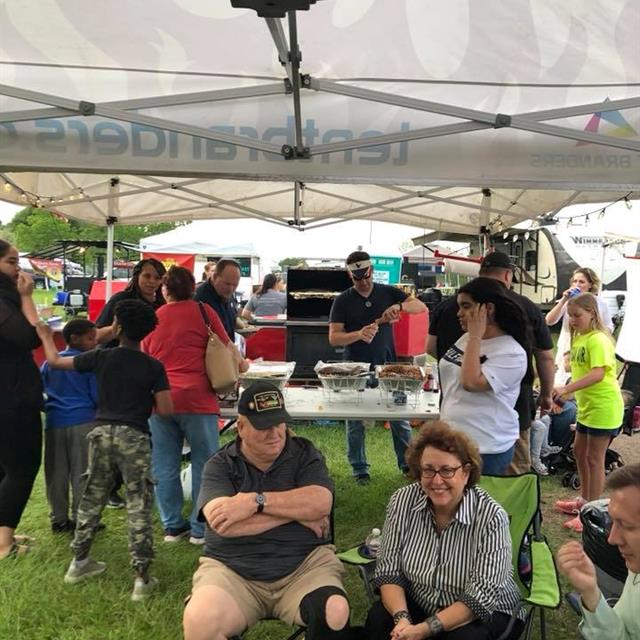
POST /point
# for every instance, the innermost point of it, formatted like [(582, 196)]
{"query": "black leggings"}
[(20, 453), (380, 624)]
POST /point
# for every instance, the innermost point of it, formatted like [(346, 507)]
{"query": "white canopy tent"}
[(461, 116)]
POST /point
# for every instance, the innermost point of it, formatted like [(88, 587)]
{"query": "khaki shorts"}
[(521, 461), (279, 598)]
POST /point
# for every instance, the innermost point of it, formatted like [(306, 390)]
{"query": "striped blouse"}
[(468, 562)]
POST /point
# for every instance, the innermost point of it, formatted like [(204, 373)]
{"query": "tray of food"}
[(343, 376), (265, 370), (400, 377)]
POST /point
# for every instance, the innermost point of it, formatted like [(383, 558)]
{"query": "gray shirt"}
[(269, 303), (277, 552)]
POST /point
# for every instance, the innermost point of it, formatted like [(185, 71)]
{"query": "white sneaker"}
[(196, 541), (551, 450), (142, 590), (539, 467), (78, 573)]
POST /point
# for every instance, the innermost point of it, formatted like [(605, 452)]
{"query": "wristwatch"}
[(260, 501), (435, 626), (403, 614)]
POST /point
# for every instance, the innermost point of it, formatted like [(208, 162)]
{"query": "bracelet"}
[(403, 614), (435, 625)]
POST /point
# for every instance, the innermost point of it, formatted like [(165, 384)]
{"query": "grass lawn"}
[(35, 604)]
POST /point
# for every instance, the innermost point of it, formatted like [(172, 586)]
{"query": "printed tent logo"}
[(617, 126)]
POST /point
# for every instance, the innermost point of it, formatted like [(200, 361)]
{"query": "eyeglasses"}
[(444, 472)]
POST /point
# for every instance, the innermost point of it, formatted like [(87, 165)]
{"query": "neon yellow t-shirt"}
[(600, 406)]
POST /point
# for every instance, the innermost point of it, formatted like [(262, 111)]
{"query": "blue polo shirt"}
[(72, 397)]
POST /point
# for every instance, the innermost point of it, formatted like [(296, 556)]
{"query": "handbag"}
[(221, 360)]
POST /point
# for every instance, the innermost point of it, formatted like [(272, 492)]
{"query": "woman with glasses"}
[(444, 567), (480, 374)]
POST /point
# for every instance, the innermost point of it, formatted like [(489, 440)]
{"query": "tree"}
[(34, 229), (296, 263)]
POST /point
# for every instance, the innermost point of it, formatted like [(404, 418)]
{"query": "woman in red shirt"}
[(179, 342)]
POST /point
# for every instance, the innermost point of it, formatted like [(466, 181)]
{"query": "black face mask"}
[(361, 274)]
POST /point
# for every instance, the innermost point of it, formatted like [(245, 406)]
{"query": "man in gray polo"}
[(267, 499)]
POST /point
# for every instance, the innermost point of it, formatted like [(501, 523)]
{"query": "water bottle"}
[(372, 543)]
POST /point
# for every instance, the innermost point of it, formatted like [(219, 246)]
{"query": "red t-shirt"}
[(179, 342)]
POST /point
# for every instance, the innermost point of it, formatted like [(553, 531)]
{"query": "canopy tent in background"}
[(273, 243), (456, 116)]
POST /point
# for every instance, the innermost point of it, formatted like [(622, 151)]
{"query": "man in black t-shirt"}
[(130, 384), (444, 331), (360, 321), (267, 499)]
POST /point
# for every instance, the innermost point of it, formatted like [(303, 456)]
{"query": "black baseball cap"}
[(497, 260), (263, 404)]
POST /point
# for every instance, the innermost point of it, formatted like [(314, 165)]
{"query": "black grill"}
[(308, 318)]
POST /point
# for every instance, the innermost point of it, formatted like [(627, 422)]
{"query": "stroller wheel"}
[(574, 481), (566, 479)]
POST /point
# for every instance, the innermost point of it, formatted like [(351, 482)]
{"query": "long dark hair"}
[(269, 282), (137, 270), (509, 315), (8, 289)]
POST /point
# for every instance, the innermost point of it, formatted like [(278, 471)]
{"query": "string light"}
[(599, 212), (627, 203)]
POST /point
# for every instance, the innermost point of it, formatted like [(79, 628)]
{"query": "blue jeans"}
[(400, 431), (495, 464), (167, 436), (560, 432)]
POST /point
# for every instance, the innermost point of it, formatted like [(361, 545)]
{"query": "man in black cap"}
[(267, 499), (360, 321), (444, 330)]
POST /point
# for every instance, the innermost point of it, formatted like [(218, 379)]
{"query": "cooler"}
[(410, 334), (98, 294)]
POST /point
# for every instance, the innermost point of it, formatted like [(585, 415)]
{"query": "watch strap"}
[(435, 625)]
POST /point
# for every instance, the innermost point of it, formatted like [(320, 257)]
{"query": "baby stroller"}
[(564, 462)]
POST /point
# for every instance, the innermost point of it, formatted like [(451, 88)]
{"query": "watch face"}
[(260, 498)]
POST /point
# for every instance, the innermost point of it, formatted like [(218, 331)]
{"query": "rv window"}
[(530, 260)]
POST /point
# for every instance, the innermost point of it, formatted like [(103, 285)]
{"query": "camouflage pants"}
[(117, 448)]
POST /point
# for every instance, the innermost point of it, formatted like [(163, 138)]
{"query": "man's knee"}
[(325, 611), (211, 614)]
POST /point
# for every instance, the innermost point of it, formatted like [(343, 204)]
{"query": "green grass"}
[(35, 604)]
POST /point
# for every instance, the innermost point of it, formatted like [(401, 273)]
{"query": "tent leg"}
[(110, 235)]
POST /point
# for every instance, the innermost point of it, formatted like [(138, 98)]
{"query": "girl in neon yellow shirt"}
[(600, 405)]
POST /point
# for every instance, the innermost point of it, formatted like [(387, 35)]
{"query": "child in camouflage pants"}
[(129, 384)]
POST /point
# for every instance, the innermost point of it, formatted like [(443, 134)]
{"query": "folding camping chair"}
[(519, 496)]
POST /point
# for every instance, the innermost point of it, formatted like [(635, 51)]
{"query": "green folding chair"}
[(519, 496)]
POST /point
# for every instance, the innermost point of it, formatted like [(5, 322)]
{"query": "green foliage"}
[(34, 229), (296, 263)]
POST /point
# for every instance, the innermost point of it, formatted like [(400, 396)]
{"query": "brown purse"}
[(221, 360)]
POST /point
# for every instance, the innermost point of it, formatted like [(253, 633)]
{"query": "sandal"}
[(21, 539), (16, 550)]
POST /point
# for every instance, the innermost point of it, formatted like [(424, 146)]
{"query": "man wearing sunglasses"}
[(599, 620), (360, 321)]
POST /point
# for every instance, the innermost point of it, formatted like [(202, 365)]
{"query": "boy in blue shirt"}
[(70, 412)]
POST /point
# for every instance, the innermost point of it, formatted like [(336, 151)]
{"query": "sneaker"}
[(115, 501), (539, 467), (363, 478), (575, 524), (77, 573), (173, 535), (570, 507), (196, 540), (142, 590), (63, 527), (551, 450)]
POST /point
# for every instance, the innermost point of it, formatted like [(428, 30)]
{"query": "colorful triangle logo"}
[(621, 128)]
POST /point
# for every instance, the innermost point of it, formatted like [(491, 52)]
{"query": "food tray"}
[(277, 373), (400, 390), (337, 387)]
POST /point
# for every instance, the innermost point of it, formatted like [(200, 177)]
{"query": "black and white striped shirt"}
[(468, 562)]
